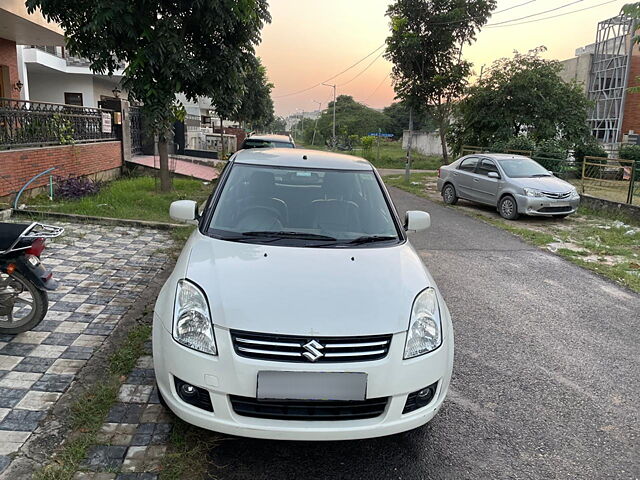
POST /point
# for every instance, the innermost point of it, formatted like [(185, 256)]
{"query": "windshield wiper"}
[(371, 239), (284, 234), (540, 175)]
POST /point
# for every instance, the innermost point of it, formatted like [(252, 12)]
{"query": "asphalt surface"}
[(546, 378)]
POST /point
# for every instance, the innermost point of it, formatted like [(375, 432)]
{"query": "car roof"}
[(501, 156), (300, 157), (271, 138)]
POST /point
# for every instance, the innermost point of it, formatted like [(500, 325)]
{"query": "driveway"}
[(102, 270), (545, 380)]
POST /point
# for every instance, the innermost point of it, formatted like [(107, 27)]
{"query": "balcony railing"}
[(24, 123), (72, 60)]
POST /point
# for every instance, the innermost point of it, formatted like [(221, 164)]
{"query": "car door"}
[(485, 187), (463, 177)]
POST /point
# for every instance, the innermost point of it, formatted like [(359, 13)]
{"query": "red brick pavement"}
[(181, 167)]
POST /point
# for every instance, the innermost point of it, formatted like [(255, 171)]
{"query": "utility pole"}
[(407, 167), (379, 133), (315, 126), (334, 113)]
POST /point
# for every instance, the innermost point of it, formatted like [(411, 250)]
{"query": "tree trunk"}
[(407, 167), (222, 152), (165, 175), (443, 125)]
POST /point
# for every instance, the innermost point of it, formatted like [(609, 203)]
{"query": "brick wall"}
[(631, 119), (17, 167), (9, 58)]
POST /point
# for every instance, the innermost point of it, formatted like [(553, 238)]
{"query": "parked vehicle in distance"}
[(24, 280), (298, 309), (514, 184), (268, 141)]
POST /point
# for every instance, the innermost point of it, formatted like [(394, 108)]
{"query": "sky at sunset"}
[(309, 41)]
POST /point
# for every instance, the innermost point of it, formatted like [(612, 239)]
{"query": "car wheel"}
[(508, 208), (449, 194)]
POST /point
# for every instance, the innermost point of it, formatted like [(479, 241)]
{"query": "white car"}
[(298, 310)]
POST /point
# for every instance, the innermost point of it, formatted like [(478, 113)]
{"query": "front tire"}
[(449, 194), (39, 304), (508, 208)]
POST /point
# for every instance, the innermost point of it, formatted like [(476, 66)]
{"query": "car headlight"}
[(425, 328), (192, 326), (574, 192), (532, 192)]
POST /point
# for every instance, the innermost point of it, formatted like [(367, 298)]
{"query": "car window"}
[(468, 164), (487, 166), (522, 168), (335, 205), (249, 143)]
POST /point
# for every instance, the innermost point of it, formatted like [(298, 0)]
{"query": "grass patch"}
[(391, 156), (188, 451), (136, 198), (415, 184), (90, 410)]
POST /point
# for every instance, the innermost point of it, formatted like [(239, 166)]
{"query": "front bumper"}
[(229, 374), (548, 207)]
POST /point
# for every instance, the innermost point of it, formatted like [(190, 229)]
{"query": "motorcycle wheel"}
[(22, 304)]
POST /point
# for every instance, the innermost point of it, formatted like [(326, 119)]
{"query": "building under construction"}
[(607, 69)]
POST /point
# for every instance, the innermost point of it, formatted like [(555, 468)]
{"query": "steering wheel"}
[(260, 218)]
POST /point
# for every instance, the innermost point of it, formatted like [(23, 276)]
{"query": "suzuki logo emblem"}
[(313, 352)]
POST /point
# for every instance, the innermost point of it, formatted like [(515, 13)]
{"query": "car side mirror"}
[(417, 221), (493, 175), (184, 211), (550, 172)]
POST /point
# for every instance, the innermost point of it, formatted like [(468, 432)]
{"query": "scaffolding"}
[(609, 78)]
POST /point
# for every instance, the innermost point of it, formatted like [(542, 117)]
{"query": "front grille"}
[(308, 410), (290, 348), (557, 195), (555, 209)]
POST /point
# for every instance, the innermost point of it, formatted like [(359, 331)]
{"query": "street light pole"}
[(334, 112), (315, 126)]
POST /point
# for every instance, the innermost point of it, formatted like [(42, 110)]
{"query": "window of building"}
[(73, 98)]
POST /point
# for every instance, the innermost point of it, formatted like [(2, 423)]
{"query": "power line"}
[(362, 71), (515, 6), (535, 14), (376, 89), (552, 16), (331, 78)]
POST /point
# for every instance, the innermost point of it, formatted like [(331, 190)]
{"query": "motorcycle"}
[(24, 280)]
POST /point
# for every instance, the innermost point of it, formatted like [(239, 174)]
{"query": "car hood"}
[(308, 291), (545, 184)]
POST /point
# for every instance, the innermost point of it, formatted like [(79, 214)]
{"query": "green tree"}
[(425, 47), (168, 46), (398, 113), (256, 106), (277, 125), (521, 95)]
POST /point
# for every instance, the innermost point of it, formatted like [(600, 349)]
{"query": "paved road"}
[(546, 379)]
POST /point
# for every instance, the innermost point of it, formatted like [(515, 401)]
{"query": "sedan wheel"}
[(449, 194), (508, 208)]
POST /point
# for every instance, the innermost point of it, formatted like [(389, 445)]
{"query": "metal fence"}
[(24, 123), (611, 179)]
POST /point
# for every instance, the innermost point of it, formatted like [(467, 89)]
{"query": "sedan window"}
[(468, 164), (302, 207), (487, 166), (523, 168)]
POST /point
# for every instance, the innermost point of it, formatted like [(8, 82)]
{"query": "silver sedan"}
[(513, 183)]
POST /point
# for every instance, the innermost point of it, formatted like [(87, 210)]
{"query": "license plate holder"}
[(344, 386)]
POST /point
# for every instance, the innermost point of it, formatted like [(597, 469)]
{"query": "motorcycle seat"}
[(9, 232)]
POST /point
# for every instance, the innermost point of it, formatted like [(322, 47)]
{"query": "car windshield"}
[(523, 168), (266, 144), (302, 207)]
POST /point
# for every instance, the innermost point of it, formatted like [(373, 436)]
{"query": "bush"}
[(631, 152), (588, 148), (513, 143), (552, 148), (367, 145), (75, 187)]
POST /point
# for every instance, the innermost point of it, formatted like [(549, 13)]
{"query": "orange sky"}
[(311, 40)]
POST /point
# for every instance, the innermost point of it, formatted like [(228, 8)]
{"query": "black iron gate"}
[(136, 130)]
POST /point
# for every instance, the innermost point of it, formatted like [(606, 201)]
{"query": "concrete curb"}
[(609, 206), (100, 220)]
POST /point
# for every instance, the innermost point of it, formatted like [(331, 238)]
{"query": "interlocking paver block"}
[(34, 364), (53, 383), (7, 362), (103, 457), (31, 337), (94, 476), (48, 351), (65, 366), (125, 413), (34, 400), (135, 393), (9, 397), (19, 379), (116, 433), (11, 441), (21, 420), (144, 459)]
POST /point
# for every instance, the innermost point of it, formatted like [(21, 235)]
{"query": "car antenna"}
[(304, 157)]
